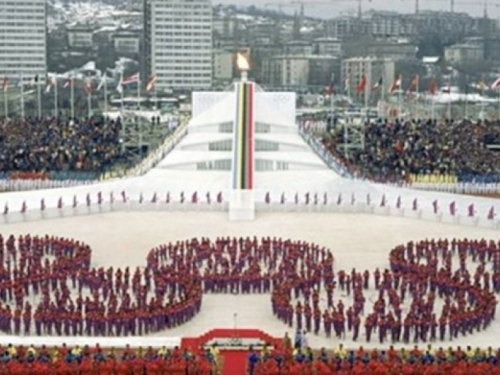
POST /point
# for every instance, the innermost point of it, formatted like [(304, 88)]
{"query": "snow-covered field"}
[(362, 241)]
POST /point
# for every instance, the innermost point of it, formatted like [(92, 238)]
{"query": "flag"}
[(414, 84), (396, 85), (52, 82), (491, 213), (435, 206), (495, 85), (102, 82), (378, 84), (481, 86), (5, 84), (68, 83), (151, 83), (433, 87), (453, 208), (415, 204), (361, 85), (20, 82), (471, 210), (34, 81), (398, 202), (127, 81), (330, 87), (88, 85)]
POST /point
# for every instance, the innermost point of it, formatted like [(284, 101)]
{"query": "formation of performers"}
[(434, 290), (406, 307), (47, 287)]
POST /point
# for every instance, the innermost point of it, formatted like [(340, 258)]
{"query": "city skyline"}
[(335, 8)]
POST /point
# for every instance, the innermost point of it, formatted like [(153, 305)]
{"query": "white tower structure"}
[(23, 51), (180, 43)]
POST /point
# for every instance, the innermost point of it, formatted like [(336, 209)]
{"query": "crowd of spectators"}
[(393, 150), (415, 361), (99, 361), (56, 144)]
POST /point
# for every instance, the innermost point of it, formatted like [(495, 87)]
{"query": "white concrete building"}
[(180, 43), (328, 46), (127, 42), (80, 36), (286, 71), (223, 65), (373, 68), (23, 41), (464, 53)]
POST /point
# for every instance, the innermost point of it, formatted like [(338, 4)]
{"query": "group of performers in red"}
[(47, 287), (428, 294)]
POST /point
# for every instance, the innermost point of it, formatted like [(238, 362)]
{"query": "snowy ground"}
[(357, 240)]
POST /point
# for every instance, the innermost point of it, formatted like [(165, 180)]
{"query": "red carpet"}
[(234, 362)]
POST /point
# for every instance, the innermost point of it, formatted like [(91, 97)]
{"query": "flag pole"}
[(5, 102), (139, 91), (449, 100), (121, 90), (89, 99), (22, 96), (72, 83), (39, 94), (499, 103), (56, 104), (332, 98), (105, 94), (400, 96)]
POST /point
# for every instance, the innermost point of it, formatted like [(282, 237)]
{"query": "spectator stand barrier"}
[(153, 158), (96, 203), (324, 154)]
